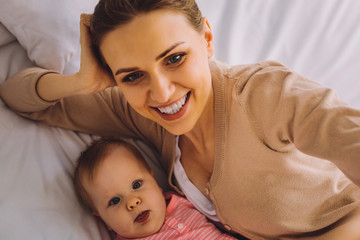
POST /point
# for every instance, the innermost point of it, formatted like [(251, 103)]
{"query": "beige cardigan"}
[(274, 130)]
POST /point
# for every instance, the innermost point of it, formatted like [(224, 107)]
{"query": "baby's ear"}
[(98, 215)]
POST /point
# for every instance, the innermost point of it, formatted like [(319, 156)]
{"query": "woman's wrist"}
[(54, 86)]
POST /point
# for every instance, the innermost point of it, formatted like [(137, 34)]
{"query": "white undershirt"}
[(203, 204)]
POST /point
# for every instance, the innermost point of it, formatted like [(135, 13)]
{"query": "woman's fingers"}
[(92, 73), (86, 18), (85, 34)]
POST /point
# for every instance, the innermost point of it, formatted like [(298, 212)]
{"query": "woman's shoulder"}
[(248, 77), (233, 72)]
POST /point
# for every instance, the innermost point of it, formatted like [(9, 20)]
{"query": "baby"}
[(114, 182)]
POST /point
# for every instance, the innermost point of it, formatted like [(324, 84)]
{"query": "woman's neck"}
[(204, 130), (198, 148)]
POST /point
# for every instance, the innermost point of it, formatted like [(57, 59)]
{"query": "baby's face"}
[(126, 195)]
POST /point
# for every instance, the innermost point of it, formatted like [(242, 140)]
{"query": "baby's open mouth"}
[(143, 216)]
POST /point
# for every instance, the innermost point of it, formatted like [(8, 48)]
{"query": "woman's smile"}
[(174, 110)]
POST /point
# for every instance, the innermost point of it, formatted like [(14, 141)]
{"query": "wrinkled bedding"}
[(319, 39)]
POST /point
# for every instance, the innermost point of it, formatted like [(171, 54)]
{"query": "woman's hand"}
[(92, 76)]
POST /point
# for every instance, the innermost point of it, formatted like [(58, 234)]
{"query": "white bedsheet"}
[(320, 39)]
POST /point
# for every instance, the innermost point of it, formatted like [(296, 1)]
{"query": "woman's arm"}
[(290, 109), (23, 91), (102, 113), (82, 102), (91, 78)]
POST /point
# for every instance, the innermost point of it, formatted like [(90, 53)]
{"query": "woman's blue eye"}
[(133, 77), (136, 184), (175, 59), (114, 201)]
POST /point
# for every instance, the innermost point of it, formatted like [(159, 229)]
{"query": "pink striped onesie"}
[(183, 221)]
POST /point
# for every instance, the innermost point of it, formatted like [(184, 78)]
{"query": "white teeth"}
[(175, 107)]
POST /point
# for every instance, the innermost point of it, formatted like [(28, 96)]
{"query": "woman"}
[(246, 144)]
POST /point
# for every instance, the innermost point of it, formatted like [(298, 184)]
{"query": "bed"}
[(319, 39)]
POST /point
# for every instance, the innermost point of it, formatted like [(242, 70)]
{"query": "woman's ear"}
[(208, 37)]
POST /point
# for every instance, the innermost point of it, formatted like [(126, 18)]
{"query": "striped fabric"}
[(183, 221)]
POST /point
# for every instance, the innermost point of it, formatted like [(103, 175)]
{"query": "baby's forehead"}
[(134, 153), (124, 156)]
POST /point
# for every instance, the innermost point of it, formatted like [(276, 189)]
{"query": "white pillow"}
[(5, 36), (48, 30)]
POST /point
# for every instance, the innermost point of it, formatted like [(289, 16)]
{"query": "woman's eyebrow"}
[(121, 70), (168, 50)]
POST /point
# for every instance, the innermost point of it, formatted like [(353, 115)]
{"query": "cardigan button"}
[(227, 227), (207, 191)]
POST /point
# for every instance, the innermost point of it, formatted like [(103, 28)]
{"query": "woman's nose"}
[(133, 203), (161, 89)]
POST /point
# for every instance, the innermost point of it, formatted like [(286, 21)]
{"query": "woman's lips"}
[(179, 113), (143, 216)]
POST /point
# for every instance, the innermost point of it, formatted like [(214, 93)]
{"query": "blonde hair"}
[(110, 14)]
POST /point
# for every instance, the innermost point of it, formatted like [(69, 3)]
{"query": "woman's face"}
[(160, 63)]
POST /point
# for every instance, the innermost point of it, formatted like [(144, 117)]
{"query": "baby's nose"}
[(133, 203)]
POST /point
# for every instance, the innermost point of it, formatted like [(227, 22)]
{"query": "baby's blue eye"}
[(114, 201), (136, 184)]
